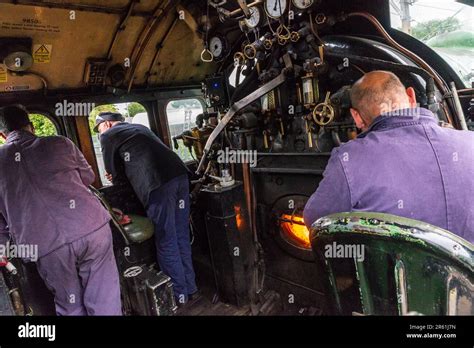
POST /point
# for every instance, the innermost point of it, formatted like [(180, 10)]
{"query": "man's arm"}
[(113, 163), (333, 194), (108, 155), (81, 164)]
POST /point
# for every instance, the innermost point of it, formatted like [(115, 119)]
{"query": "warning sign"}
[(3, 73), (42, 53)]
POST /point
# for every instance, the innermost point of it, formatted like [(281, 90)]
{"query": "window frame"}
[(165, 104), (38, 111), (151, 127)]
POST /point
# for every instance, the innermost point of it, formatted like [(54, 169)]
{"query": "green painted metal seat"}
[(140, 230), (381, 264)]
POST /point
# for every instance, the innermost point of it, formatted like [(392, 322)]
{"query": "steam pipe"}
[(459, 110), (380, 63), (439, 82)]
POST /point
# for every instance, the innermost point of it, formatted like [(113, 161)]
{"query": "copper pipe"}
[(247, 190), (457, 104), (447, 113), (442, 87), (315, 33), (239, 10), (466, 90)]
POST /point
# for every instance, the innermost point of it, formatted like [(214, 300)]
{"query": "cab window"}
[(133, 112), (181, 114), (43, 126), (443, 25)]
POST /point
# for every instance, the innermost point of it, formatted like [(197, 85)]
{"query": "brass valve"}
[(283, 32), (323, 113), (239, 58), (282, 41), (267, 43), (295, 36), (250, 51)]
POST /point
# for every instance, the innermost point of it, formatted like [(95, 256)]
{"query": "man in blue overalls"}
[(45, 202), (403, 163), (160, 180)]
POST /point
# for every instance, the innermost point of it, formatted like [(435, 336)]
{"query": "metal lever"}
[(239, 105)]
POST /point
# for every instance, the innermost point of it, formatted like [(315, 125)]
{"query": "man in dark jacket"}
[(45, 202), (160, 180)]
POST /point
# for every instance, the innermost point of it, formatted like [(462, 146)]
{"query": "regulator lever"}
[(242, 103)]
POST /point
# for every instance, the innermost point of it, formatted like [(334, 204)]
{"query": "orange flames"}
[(294, 228)]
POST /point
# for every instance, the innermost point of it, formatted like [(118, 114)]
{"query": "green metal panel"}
[(409, 266)]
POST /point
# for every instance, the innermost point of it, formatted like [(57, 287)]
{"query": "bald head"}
[(378, 92)]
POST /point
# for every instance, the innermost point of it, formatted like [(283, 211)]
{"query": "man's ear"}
[(358, 119), (411, 97)]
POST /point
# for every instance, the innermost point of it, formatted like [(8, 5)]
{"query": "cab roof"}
[(64, 34)]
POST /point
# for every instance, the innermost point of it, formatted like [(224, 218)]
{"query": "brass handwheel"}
[(282, 41), (323, 113), (250, 52), (239, 58), (295, 36), (267, 44)]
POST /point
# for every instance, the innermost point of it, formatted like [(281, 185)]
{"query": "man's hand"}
[(108, 176)]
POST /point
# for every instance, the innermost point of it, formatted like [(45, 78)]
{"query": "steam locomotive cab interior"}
[(271, 80)]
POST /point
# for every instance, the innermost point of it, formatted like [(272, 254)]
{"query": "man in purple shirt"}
[(403, 163), (45, 204)]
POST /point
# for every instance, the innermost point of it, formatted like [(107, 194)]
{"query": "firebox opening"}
[(294, 231)]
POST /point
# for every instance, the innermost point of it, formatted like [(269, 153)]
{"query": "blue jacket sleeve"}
[(332, 195)]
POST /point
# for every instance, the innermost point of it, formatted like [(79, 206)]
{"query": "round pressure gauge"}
[(255, 17), (302, 4), (275, 8), (218, 47)]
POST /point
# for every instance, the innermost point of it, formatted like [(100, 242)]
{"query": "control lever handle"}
[(239, 105)]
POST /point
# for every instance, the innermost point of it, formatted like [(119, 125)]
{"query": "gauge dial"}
[(302, 4), (218, 47), (255, 17), (275, 8)]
